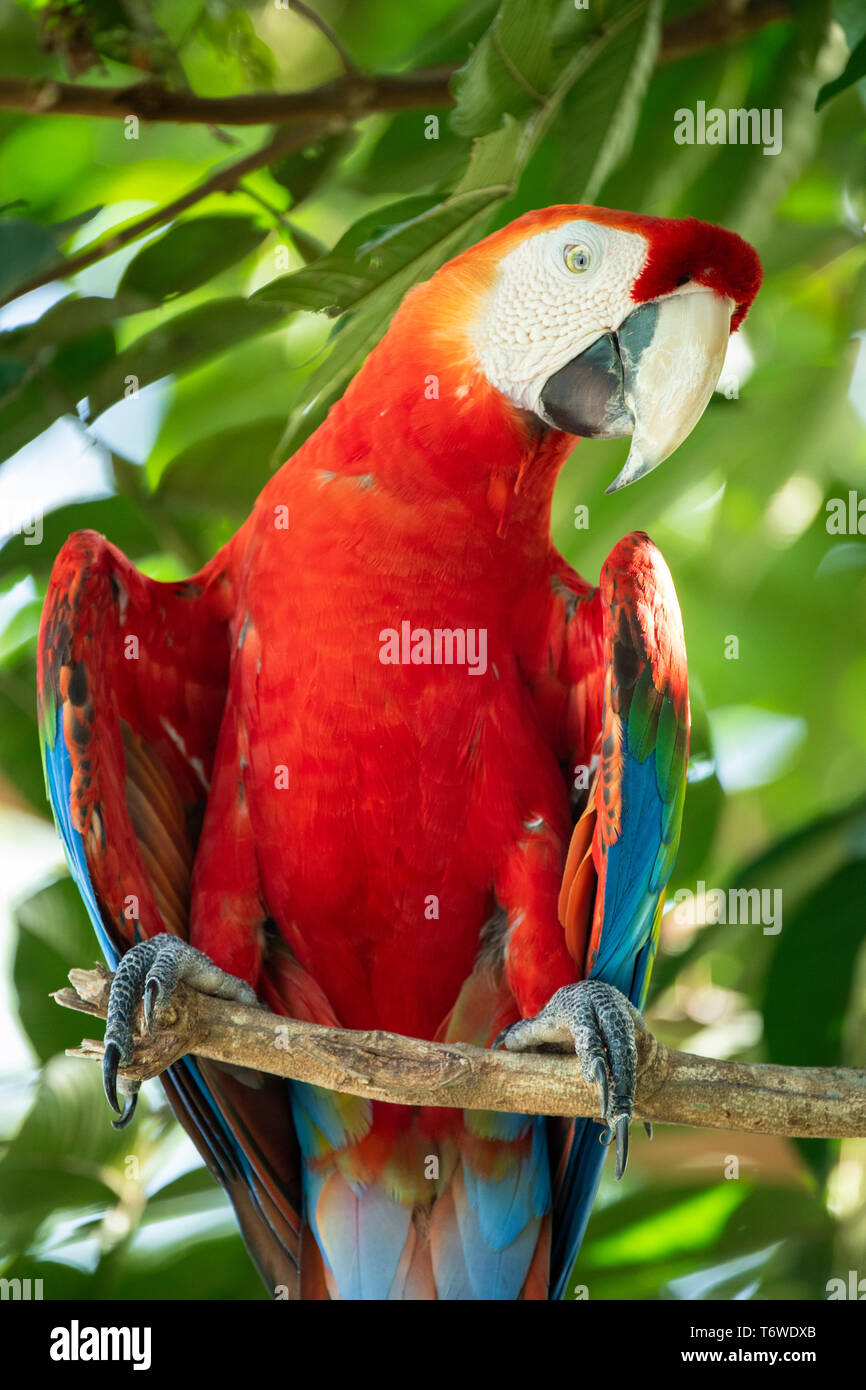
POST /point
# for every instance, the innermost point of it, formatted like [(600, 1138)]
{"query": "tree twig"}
[(673, 1087), (225, 180), (324, 28), (351, 95)]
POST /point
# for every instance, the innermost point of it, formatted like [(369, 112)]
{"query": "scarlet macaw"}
[(361, 837)]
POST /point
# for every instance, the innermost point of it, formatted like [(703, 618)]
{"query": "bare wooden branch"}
[(719, 24), (351, 95), (673, 1087)]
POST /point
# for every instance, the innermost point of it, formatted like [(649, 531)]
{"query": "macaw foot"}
[(599, 1023), (149, 972)]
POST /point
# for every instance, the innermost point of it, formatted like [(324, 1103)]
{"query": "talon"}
[(600, 1023), (128, 1112), (649, 1129), (148, 974), (500, 1037), (598, 1074), (110, 1063), (151, 996), (621, 1146)]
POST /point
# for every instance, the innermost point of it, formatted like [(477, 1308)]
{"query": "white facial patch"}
[(540, 313)]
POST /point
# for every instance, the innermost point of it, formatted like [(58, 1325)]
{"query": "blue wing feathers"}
[(636, 869)]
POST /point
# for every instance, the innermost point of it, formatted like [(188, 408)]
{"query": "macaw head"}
[(602, 323)]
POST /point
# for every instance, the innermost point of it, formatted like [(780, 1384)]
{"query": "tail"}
[(406, 1204)]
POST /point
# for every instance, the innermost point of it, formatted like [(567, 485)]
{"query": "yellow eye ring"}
[(577, 259)]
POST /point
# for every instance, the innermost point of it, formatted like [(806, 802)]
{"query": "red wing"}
[(132, 682)]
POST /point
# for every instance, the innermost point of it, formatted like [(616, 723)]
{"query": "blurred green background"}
[(554, 103)]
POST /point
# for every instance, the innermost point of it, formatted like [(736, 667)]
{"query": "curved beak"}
[(651, 379)]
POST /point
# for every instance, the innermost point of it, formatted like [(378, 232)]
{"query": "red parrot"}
[(389, 762)]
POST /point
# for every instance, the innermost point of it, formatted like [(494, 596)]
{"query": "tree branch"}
[(718, 25), (225, 180), (673, 1087), (351, 95)]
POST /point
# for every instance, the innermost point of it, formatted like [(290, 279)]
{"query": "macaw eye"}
[(577, 258)]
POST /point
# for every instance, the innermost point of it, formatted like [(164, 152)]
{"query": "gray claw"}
[(598, 1074), (621, 1146), (150, 1001), (110, 1063), (128, 1112), (649, 1129), (599, 1022), (149, 972), (112, 1058)]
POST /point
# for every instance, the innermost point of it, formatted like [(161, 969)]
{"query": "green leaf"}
[(371, 284), (622, 52), (182, 341), (308, 247), (19, 740), (602, 109), (855, 68), (634, 1249), (64, 1155), (67, 321), (189, 254), (212, 1266), (496, 159), (12, 374), (403, 157), (693, 1223), (77, 363), (304, 171), (509, 71), (341, 278), (26, 248), (54, 934), (197, 1182), (258, 379), (809, 983), (797, 864), (808, 987), (63, 230), (19, 635), (47, 367), (627, 64), (224, 471), (30, 410)]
